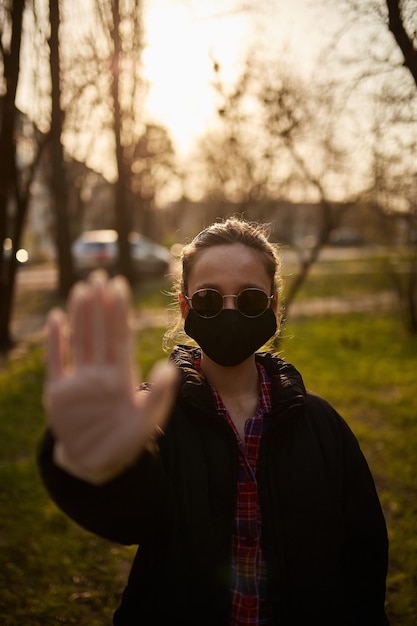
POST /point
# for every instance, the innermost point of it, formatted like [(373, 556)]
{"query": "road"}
[(44, 277), (35, 276)]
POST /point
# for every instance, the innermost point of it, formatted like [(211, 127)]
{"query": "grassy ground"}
[(52, 572)]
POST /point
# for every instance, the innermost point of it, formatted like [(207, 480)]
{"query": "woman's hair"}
[(230, 231)]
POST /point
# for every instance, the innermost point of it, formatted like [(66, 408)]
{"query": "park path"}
[(28, 327)]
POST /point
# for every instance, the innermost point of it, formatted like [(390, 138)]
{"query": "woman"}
[(248, 496)]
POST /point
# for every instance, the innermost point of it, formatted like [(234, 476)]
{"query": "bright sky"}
[(182, 39), (184, 35)]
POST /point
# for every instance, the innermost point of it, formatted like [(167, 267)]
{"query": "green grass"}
[(353, 284), (345, 279), (53, 572), (152, 294)]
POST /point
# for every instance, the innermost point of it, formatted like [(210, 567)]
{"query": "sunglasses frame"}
[(230, 295)]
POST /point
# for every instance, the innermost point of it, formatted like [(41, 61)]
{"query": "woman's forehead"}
[(229, 262)]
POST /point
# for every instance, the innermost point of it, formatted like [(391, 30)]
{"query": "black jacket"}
[(323, 532)]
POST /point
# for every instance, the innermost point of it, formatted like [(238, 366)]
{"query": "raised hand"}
[(100, 422)]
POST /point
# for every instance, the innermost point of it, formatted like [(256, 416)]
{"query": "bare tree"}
[(275, 140), (58, 177), (10, 59), (14, 183), (388, 71), (236, 169), (152, 169), (301, 124), (104, 93), (392, 195), (123, 223), (402, 22)]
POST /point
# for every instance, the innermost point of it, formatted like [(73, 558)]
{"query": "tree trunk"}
[(58, 182), (404, 42), (122, 218), (22, 200), (11, 62)]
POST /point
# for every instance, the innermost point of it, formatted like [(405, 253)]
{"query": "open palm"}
[(100, 422)]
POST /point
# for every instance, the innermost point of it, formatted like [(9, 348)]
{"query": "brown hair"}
[(230, 231)]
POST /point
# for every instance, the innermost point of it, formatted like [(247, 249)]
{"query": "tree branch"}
[(405, 43)]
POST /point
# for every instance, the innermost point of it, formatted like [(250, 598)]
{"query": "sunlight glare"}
[(178, 62)]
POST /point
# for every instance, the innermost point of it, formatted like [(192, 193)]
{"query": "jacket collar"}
[(287, 384)]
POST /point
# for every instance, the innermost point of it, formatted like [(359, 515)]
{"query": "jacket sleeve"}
[(121, 510)]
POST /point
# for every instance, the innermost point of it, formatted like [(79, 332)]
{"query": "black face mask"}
[(230, 337)]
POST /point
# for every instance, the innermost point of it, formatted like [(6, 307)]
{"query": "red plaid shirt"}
[(249, 576)]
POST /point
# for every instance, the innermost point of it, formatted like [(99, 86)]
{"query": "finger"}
[(159, 400), (120, 330), (55, 345), (98, 282), (119, 319), (78, 314)]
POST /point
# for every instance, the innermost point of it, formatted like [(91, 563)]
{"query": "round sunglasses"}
[(250, 302)]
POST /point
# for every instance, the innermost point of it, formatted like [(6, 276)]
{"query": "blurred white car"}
[(95, 249)]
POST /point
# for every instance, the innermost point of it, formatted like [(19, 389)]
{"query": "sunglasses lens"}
[(207, 302), (252, 302)]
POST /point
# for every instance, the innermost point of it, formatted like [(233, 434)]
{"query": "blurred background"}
[(127, 126), (157, 117)]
